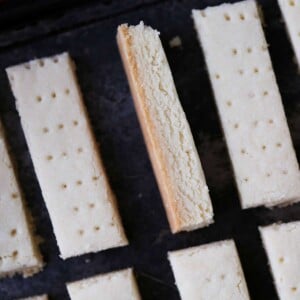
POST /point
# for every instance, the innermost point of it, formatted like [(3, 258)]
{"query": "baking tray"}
[(88, 33)]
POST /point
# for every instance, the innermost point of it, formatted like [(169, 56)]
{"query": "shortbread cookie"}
[(249, 103), (211, 271), (166, 131), (282, 244), (18, 250), (291, 14), (120, 285), (65, 155)]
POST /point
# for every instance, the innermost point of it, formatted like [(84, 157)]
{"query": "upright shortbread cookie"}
[(291, 13), (120, 285), (65, 156), (166, 131), (42, 297), (211, 271), (282, 244), (18, 251), (249, 104)]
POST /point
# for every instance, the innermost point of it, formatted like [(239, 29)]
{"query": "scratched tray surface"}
[(108, 100)]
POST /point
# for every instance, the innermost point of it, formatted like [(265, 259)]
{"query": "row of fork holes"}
[(293, 3), (281, 260), (64, 186), (79, 150), (63, 154), (95, 228), (81, 231), (53, 95), (268, 175), (242, 72), (13, 255), (255, 124), (222, 277), (228, 18), (249, 50), (13, 232), (251, 95), (263, 147), (41, 63), (60, 126)]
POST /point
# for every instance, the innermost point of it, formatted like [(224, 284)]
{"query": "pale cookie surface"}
[(120, 285), (291, 13), (211, 271), (65, 156), (166, 131), (282, 244), (249, 103), (18, 252)]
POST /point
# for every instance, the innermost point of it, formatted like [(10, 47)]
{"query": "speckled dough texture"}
[(166, 131), (18, 250), (291, 14), (65, 156), (249, 103), (119, 285), (211, 271), (282, 244)]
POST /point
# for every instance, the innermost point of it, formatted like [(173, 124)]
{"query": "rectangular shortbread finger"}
[(42, 297), (282, 244), (211, 271), (291, 13), (249, 104), (166, 131), (18, 250), (80, 202), (120, 285)]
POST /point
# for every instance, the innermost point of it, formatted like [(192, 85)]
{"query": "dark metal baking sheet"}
[(30, 19), (91, 43)]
